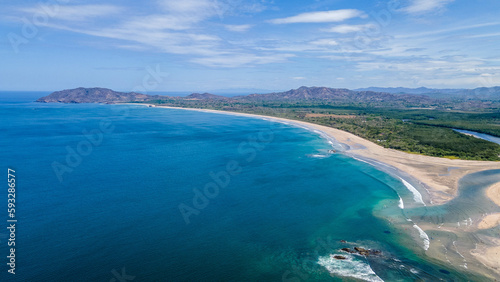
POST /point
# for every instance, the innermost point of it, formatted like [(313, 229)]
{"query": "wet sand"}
[(494, 193), (489, 256), (489, 221)]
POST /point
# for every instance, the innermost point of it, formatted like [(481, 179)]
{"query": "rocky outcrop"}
[(362, 251)]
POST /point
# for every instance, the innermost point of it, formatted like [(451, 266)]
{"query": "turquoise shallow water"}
[(169, 195)]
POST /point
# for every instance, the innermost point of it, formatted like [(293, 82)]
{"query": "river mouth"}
[(452, 227), (478, 135)]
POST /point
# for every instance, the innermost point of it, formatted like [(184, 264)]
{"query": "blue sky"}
[(207, 45)]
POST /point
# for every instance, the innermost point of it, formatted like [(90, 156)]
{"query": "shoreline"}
[(436, 178)]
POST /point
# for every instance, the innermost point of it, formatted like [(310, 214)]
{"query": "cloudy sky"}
[(207, 45)]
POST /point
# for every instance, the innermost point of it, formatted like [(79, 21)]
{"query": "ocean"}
[(130, 193)]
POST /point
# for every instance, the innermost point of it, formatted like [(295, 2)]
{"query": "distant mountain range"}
[(403, 90), (205, 96), (322, 94), (481, 93), (334, 95), (368, 96)]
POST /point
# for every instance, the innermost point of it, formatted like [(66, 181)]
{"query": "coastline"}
[(439, 176), (436, 178)]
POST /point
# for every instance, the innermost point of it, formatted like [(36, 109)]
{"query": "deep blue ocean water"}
[(110, 192)]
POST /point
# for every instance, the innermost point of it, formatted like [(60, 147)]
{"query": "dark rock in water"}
[(365, 252), (343, 241), (339, 257), (444, 271), (387, 232), (347, 250)]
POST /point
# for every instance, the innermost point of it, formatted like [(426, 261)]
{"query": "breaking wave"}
[(349, 267), (416, 195), (401, 204), (424, 237), (318, 156)]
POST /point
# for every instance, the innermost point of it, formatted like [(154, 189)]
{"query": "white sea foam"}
[(318, 156), (401, 203), (350, 267), (416, 195), (424, 236), (380, 164), (361, 160)]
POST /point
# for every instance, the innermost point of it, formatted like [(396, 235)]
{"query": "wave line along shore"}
[(439, 177)]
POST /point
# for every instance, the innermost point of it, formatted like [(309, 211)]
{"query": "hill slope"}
[(94, 95), (344, 96)]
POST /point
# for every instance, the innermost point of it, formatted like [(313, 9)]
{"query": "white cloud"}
[(482, 35), (160, 22), (187, 6), (351, 57), (439, 72), (238, 28), (422, 6), (73, 12), (174, 27), (238, 60), (165, 41), (345, 28), (174, 14), (321, 17), (471, 81), (325, 42), (209, 8), (318, 45), (453, 71), (446, 30)]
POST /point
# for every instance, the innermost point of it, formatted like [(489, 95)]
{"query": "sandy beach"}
[(494, 193), (438, 176), (489, 256), (489, 221)]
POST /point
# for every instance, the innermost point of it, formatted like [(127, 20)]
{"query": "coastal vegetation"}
[(414, 123), (421, 131)]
